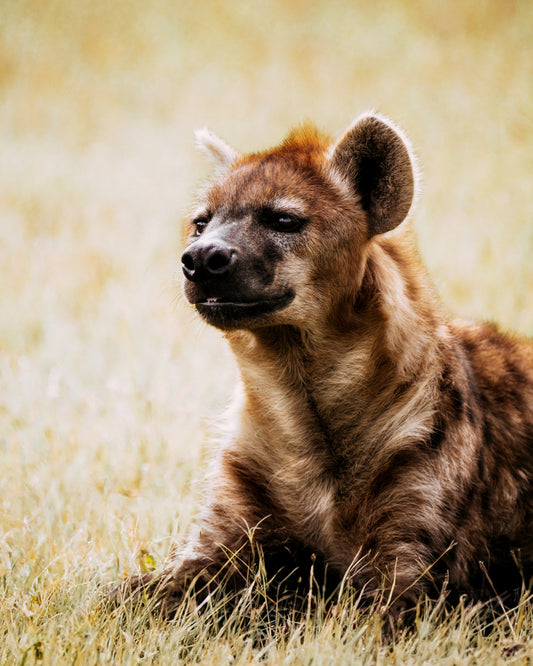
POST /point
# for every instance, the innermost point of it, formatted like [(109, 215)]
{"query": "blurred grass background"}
[(107, 379)]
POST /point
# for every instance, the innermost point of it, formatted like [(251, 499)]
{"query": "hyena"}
[(368, 432)]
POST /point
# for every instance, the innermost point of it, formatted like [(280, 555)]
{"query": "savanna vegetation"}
[(109, 384)]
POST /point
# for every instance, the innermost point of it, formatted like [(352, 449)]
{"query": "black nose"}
[(205, 262)]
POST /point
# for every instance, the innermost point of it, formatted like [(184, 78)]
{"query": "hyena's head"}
[(281, 237)]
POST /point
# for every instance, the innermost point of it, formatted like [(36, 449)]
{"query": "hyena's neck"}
[(396, 306), (348, 370)]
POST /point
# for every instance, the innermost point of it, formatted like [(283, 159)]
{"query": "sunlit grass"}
[(108, 382)]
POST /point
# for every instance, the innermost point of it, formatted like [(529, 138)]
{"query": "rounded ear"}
[(215, 148), (375, 161)]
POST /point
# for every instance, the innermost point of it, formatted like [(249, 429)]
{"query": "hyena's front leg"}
[(227, 560), (221, 551), (239, 533), (405, 560)]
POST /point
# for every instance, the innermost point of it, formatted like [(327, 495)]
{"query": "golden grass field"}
[(109, 383)]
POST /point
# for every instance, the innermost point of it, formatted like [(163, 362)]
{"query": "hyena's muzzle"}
[(230, 270)]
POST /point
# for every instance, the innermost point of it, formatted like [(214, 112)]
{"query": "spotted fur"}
[(367, 428)]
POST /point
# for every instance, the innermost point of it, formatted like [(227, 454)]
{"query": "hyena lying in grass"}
[(368, 433)]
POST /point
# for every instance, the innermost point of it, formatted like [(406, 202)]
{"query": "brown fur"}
[(367, 428)]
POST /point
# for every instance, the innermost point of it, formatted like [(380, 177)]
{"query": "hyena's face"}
[(263, 241), (281, 235)]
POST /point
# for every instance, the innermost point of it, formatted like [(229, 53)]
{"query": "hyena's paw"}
[(398, 617), (163, 593), (133, 590)]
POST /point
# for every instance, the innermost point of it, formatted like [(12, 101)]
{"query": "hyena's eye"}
[(200, 223), (280, 221)]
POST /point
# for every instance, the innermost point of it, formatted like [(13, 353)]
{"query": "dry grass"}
[(107, 379)]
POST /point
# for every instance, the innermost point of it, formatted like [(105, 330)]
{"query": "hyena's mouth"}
[(225, 313)]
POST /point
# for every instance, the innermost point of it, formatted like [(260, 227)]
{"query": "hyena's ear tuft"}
[(215, 148), (374, 158)]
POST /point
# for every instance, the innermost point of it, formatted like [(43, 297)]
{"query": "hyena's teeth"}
[(211, 300)]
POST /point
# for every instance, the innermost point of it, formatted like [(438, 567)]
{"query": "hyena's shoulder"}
[(499, 358), (500, 367)]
